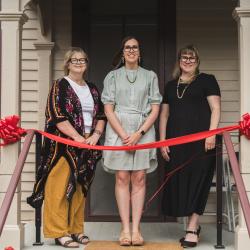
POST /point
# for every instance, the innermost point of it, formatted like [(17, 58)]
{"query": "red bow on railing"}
[(245, 125), (9, 130)]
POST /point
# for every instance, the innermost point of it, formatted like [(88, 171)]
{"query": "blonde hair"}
[(68, 55), (190, 50)]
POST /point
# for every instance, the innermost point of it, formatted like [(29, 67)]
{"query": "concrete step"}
[(155, 232)]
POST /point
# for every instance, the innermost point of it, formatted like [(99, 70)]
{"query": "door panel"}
[(108, 23)]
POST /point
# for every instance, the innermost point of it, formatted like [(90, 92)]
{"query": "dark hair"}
[(117, 60), (189, 49)]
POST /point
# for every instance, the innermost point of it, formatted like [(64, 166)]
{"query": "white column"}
[(11, 31), (242, 15), (44, 77)]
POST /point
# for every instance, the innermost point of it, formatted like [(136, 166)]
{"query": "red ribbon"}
[(10, 133), (158, 144), (245, 125)]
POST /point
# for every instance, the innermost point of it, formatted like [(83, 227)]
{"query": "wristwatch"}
[(142, 132)]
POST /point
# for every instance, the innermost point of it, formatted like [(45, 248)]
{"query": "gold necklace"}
[(133, 81), (185, 88)]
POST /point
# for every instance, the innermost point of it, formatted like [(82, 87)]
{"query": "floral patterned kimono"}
[(63, 104)]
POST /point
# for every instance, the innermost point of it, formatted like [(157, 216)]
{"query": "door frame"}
[(81, 23)]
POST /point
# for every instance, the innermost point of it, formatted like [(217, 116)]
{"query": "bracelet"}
[(98, 132)]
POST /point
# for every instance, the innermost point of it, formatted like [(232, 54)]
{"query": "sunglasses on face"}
[(185, 59), (78, 61), (128, 48)]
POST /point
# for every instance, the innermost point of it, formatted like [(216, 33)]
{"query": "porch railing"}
[(15, 179), (219, 183), (232, 158)]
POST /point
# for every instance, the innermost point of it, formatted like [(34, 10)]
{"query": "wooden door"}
[(99, 32)]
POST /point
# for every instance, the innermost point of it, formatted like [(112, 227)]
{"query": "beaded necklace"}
[(131, 81)]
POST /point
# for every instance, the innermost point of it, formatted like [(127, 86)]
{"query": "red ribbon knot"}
[(9, 130), (245, 125)]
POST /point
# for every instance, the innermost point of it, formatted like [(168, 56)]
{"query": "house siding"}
[(29, 104), (207, 25)]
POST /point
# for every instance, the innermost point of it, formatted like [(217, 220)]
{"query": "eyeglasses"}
[(187, 58), (128, 48), (80, 60)]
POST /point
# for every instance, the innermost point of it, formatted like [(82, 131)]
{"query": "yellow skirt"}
[(61, 217)]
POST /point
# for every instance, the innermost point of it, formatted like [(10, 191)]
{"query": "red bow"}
[(245, 125), (9, 130), (9, 248)]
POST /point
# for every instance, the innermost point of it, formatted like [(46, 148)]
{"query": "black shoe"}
[(185, 243), (188, 244)]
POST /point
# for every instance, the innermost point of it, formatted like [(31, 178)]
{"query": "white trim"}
[(44, 45), (17, 16), (240, 12)]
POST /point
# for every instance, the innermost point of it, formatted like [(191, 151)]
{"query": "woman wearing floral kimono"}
[(74, 111)]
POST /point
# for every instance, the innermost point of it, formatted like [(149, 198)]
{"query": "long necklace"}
[(185, 88), (133, 81)]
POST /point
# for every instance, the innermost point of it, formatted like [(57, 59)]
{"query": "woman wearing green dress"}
[(131, 101)]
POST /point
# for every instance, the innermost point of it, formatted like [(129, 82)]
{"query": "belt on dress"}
[(124, 109)]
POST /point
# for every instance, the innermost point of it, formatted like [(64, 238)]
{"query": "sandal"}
[(80, 238), (66, 243), (137, 239), (125, 239), (198, 234), (188, 244)]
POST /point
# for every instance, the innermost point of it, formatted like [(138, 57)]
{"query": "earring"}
[(123, 60), (139, 60)]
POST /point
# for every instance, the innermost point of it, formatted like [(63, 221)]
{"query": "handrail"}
[(245, 205), (38, 215), (15, 179), (219, 187)]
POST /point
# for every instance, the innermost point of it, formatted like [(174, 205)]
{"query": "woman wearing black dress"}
[(191, 104)]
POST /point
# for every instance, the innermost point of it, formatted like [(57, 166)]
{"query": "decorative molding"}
[(44, 45), (240, 12), (44, 13), (27, 3), (41, 19), (16, 16)]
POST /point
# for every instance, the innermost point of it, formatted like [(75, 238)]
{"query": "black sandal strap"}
[(191, 232), (79, 238), (84, 237), (197, 232)]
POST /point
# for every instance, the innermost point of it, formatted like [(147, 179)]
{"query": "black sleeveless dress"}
[(187, 191)]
